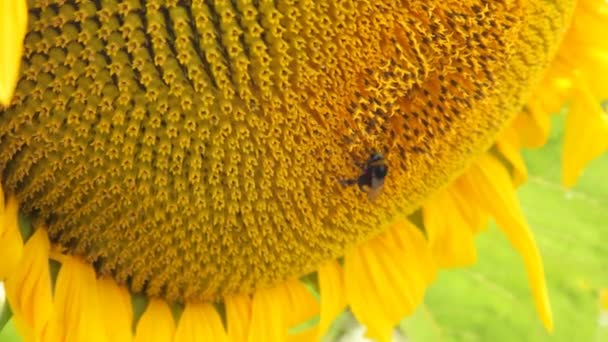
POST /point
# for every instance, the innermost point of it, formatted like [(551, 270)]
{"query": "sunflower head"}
[(197, 152)]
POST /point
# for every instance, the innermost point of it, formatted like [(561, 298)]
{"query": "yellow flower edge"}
[(573, 81), (394, 267), (12, 30), (603, 299)]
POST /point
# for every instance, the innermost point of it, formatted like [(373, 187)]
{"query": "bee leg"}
[(348, 182), (364, 187)]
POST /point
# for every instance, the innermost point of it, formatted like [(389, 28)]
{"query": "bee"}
[(372, 177)]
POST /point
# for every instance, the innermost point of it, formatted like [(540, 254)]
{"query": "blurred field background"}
[(491, 300)]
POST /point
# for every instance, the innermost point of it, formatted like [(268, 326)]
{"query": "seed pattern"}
[(191, 149)]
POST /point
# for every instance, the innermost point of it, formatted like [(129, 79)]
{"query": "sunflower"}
[(171, 170)]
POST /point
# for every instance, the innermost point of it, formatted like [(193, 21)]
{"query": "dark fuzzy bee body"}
[(371, 179)]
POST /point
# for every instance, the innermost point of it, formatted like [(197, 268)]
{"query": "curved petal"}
[(386, 277), (497, 196), (333, 298), (450, 236), (585, 45), (13, 25), (508, 145), (586, 135), (10, 237), (200, 322), (604, 299), (475, 216), (238, 317), (268, 315), (533, 124), (76, 314), (28, 289), (156, 324), (302, 305), (116, 310)]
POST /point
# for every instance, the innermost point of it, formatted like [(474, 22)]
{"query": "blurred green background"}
[(491, 300)]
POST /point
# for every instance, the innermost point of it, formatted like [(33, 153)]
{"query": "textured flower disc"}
[(192, 149)]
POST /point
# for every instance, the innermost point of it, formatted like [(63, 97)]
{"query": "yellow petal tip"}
[(13, 25)]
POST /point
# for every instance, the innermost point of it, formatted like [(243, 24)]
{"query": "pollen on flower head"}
[(195, 151)]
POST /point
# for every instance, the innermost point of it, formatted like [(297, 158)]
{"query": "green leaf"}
[(9, 333), (491, 301), (5, 314)]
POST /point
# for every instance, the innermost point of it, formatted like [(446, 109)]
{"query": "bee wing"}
[(376, 188), (372, 193)]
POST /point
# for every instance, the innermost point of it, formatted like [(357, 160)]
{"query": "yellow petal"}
[(461, 192), (497, 196), (238, 317), (10, 238), (598, 61), (28, 289), (303, 306), (268, 321), (13, 25), (116, 310), (200, 322), (586, 135), (386, 277), (604, 299), (156, 324), (76, 304), (274, 311), (508, 145), (450, 236), (594, 13), (308, 335), (533, 124), (333, 299)]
